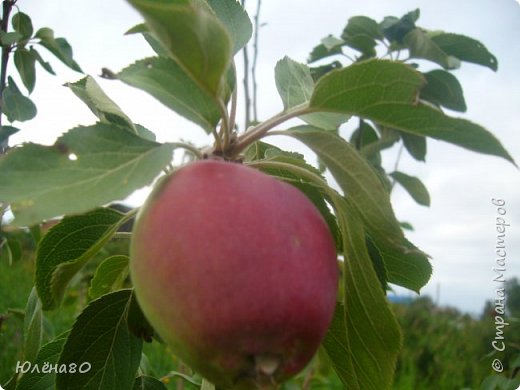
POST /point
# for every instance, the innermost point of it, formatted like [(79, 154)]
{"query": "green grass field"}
[(443, 348)]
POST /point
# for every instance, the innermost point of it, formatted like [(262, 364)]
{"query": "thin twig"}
[(396, 165), (255, 59), (233, 108), (247, 96)]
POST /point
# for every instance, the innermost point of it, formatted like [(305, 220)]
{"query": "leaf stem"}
[(256, 132), (311, 176), (192, 149)]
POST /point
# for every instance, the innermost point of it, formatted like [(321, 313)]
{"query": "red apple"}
[(236, 271)]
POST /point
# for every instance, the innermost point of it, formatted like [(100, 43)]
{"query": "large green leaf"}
[(101, 338), (406, 267), (295, 85), (365, 84), (356, 178), (67, 247), (194, 37), (338, 349), (386, 93), (465, 49), (48, 354), (444, 89), (89, 91), (366, 357), (33, 327), (165, 80), (420, 45), (426, 121), (85, 168), (235, 19)]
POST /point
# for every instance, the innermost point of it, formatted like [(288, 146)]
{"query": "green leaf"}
[(16, 106), (413, 186), (295, 85), (109, 276), (67, 247), (10, 38), (465, 49), (406, 265), (395, 29), (137, 322), (406, 225), (293, 81), (361, 34), (420, 45), (338, 348), (48, 354), (207, 385), (100, 337), (57, 46), (85, 168), (25, 63), (193, 36), (148, 383), (89, 91), (366, 357), (362, 25), (22, 24), (426, 121), (234, 17), (6, 132), (168, 82), (32, 327), (157, 46), (443, 88), (356, 178), (366, 84), (321, 51), (44, 64), (385, 92), (415, 145)]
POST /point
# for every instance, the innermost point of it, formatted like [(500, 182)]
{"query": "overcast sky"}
[(458, 230)]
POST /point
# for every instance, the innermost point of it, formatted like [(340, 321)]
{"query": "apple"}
[(236, 271)]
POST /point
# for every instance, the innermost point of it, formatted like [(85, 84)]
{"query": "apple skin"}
[(236, 271)]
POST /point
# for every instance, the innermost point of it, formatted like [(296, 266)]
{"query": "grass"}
[(443, 348)]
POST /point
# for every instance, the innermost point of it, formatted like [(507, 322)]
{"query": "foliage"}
[(23, 43), (193, 73)]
